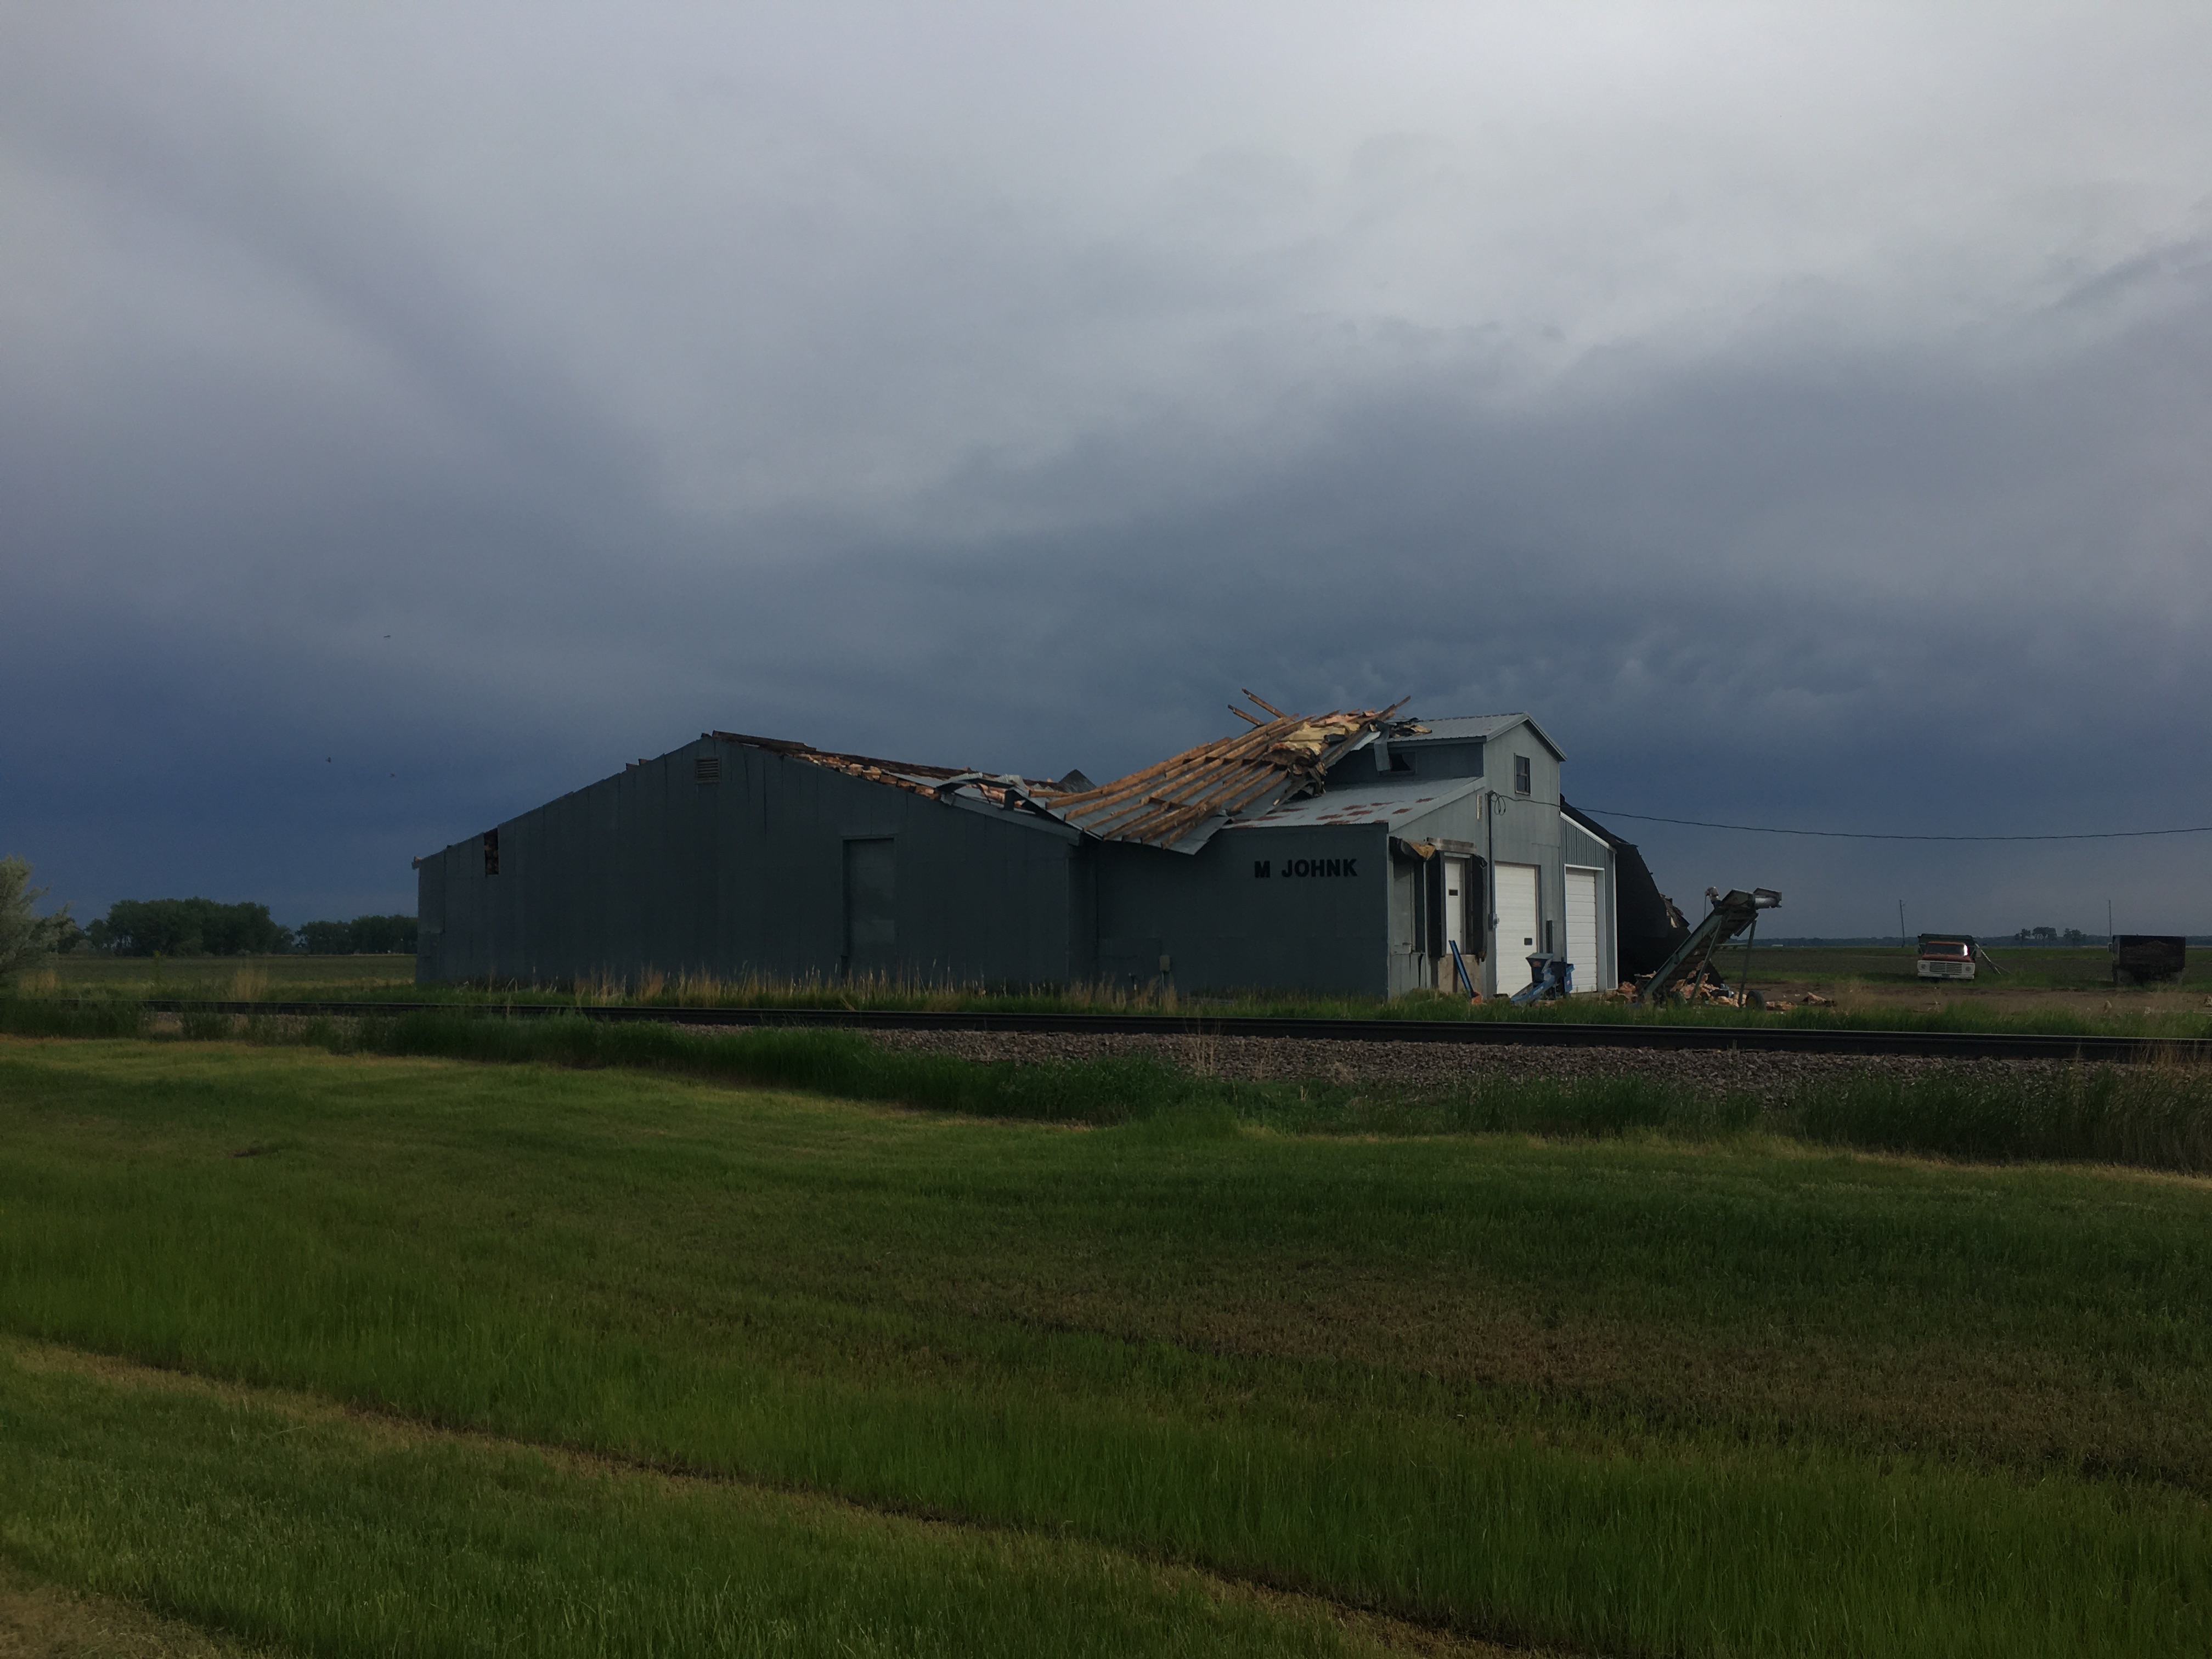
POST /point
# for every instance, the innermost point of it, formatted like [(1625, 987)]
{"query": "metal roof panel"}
[(1383, 802)]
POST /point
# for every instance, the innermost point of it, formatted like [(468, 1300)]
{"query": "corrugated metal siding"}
[(651, 871), (1224, 927)]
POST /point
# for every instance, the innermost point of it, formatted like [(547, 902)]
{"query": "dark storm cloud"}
[(407, 419)]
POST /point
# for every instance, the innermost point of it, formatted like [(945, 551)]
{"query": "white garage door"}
[(1516, 923), (1582, 927)]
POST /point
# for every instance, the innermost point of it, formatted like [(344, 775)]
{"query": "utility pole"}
[(1900, 922), (2108, 921)]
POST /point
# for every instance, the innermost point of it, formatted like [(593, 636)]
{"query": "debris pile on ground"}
[(1711, 991)]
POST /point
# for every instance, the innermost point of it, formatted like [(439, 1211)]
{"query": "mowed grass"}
[(1618, 1396)]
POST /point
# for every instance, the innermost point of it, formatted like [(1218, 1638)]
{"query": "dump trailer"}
[(1732, 913), (2139, 958)]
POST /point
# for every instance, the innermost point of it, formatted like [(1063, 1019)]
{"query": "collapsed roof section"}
[(1178, 804), (997, 790), (923, 780)]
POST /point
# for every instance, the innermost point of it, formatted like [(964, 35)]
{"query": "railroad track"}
[(1770, 1039)]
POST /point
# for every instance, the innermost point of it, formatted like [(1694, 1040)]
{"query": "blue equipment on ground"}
[(1549, 976)]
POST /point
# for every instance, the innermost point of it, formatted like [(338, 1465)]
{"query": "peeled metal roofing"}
[(1394, 804), (923, 780), (1180, 802), (940, 782)]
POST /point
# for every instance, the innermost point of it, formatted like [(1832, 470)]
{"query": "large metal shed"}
[(1348, 851)]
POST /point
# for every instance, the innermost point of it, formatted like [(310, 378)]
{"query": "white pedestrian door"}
[(1516, 923), (1459, 905), (1582, 927)]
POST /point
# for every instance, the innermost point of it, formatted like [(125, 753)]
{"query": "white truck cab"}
[(1945, 956)]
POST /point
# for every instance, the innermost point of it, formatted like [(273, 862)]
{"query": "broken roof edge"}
[(992, 792), (1497, 726), (807, 752)]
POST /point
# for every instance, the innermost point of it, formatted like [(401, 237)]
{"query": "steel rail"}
[(1538, 1034)]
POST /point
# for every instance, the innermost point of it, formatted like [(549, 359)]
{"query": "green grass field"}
[(2039, 968), (360, 1354), (81, 972)]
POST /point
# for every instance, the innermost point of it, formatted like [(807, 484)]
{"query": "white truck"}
[(1947, 956)]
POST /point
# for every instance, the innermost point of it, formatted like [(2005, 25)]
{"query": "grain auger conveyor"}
[(1683, 973)]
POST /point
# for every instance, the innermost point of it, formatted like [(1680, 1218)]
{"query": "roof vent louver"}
[(708, 768)]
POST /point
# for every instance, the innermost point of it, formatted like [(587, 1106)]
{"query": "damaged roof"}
[(1178, 804), (923, 780)]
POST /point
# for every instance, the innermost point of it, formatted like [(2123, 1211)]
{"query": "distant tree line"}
[(362, 936), (201, 928), (176, 927), (2049, 936), (187, 927)]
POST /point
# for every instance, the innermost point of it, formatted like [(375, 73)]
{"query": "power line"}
[(1872, 834)]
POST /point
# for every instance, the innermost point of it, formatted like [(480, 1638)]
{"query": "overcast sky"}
[(409, 413)]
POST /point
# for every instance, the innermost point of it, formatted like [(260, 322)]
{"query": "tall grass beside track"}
[(390, 979), (2123, 1019), (1621, 1395), (2157, 1116)]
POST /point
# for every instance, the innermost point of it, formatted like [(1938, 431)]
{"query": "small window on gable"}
[(708, 768), (1520, 774), (491, 852)]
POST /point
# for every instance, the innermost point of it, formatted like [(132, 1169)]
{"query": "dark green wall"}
[(652, 871)]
